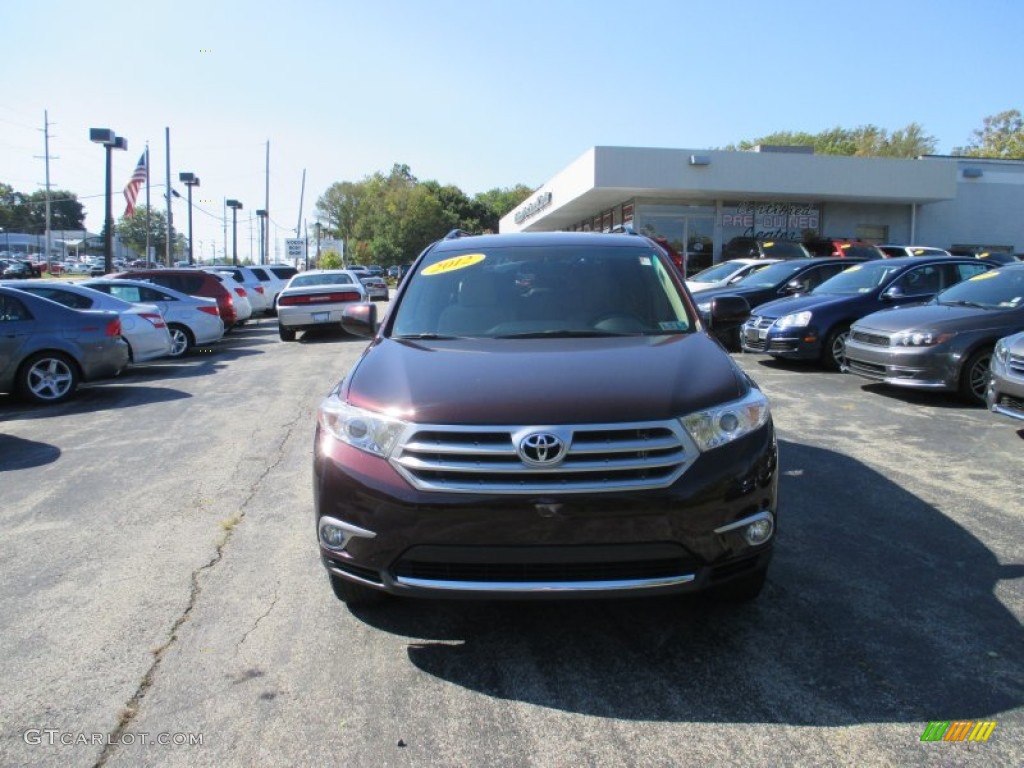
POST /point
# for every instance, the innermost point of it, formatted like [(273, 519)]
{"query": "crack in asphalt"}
[(259, 618), (132, 707)]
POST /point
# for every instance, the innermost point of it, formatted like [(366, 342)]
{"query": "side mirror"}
[(360, 319), (892, 292), (728, 312), (795, 286)]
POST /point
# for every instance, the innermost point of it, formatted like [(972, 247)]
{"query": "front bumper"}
[(789, 343), (913, 367), (422, 544), (1005, 392)]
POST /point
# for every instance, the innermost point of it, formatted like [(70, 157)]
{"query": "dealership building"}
[(701, 199)]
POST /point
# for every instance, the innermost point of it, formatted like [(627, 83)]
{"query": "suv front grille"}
[(599, 458)]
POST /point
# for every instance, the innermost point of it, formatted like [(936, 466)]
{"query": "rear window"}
[(260, 274), (783, 250), (285, 273)]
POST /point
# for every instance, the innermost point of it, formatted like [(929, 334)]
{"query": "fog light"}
[(759, 532), (333, 537)]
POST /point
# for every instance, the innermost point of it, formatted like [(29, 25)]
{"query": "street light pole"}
[(109, 140), (261, 214), (318, 245), (234, 205), (189, 180)]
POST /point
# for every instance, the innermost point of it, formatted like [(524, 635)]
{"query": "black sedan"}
[(46, 349), (944, 345), (787, 278), (816, 327)]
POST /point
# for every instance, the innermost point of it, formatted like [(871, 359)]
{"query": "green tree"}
[(132, 230), (863, 141), (330, 260), (65, 211), (1001, 136), (500, 201)]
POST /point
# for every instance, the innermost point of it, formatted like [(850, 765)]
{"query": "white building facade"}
[(700, 199)]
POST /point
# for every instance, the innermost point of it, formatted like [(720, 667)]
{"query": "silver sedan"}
[(191, 320), (315, 299)]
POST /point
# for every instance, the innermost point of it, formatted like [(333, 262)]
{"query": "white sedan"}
[(315, 299), (725, 273), (191, 320), (142, 325)]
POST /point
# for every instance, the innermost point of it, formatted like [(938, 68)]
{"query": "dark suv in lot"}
[(544, 415)]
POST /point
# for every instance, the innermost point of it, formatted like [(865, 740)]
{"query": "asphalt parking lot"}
[(160, 581)]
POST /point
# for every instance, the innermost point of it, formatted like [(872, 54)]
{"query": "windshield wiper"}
[(962, 303), (423, 336)]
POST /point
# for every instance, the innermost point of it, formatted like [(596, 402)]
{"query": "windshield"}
[(320, 278), (717, 272), (771, 276), (998, 289), (860, 278), (784, 250), (542, 290)]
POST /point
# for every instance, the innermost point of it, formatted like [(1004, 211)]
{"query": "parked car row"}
[(55, 334), (925, 321)]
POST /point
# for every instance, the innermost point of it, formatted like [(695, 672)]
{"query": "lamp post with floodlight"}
[(110, 141), (189, 180), (234, 205)]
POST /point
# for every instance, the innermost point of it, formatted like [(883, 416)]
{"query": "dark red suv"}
[(194, 282), (544, 415)]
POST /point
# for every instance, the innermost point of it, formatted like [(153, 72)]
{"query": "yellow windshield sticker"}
[(986, 275), (854, 268), (456, 262), (769, 245)]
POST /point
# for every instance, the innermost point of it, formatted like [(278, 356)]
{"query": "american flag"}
[(131, 189)]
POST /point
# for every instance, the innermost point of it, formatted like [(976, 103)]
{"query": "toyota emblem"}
[(541, 448)]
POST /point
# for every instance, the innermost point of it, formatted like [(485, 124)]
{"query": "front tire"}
[(353, 594), (974, 377), (47, 378), (833, 357)]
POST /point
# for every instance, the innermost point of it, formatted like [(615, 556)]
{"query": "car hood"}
[(544, 381), (790, 304), (940, 317)]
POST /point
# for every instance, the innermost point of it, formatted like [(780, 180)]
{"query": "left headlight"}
[(795, 320), (919, 338), (366, 430), (717, 426)]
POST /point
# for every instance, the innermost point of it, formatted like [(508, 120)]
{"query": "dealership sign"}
[(767, 221), (535, 206)]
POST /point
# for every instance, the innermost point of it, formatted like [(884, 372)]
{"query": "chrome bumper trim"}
[(765, 515), (544, 586)]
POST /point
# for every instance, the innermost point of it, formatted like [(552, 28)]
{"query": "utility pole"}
[(46, 157), (265, 232)]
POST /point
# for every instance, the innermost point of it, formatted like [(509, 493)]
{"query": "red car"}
[(194, 282)]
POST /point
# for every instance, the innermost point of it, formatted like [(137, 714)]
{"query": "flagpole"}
[(146, 257)]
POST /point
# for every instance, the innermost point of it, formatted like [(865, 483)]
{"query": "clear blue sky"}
[(479, 94)]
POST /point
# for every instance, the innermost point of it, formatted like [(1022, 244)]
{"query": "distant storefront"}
[(699, 200)]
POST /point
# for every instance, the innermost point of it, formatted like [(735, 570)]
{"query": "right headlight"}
[(720, 425), (369, 431)]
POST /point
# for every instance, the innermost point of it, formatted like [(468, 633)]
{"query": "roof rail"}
[(456, 233), (622, 229)]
